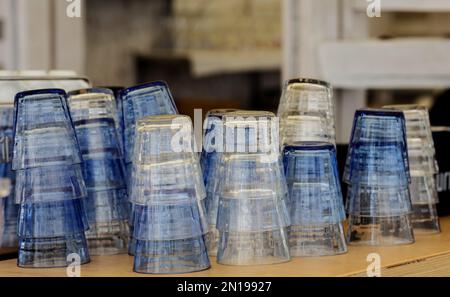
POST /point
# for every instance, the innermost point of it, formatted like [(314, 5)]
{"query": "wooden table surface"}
[(429, 255)]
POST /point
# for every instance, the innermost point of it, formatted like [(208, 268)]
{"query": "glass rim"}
[(305, 80)]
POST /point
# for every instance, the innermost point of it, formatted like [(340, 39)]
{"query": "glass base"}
[(52, 252), (253, 248), (424, 219), (171, 256), (379, 231), (314, 241)]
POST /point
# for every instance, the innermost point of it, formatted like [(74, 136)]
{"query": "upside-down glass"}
[(252, 216), (377, 171), (316, 208), (423, 167), (168, 220), (306, 111), (43, 130), (49, 183), (143, 100), (97, 127)]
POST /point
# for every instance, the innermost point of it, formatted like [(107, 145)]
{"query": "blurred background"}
[(237, 53)]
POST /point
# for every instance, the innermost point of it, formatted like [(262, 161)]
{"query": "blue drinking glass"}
[(313, 182), (376, 131), (52, 219), (97, 123), (143, 100), (171, 256), (378, 173), (316, 207), (53, 251), (51, 183), (43, 130)]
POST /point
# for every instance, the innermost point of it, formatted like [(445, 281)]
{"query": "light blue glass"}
[(52, 219), (51, 183), (316, 207), (174, 181), (171, 256), (377, 201), (43, 130), (377, 171), (169, 221), (143, 100), (378, 164), (377, 134), (97, 123), (252, 215), (52, 252), (313, 183)]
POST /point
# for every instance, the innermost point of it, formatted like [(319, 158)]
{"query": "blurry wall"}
[(121, 30), (117, 30)]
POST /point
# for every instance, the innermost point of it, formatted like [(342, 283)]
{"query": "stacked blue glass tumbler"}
[(97, 127), (49, 183), (137, 102), (169, 220), (378, 178), (316, 209), (8, 209)]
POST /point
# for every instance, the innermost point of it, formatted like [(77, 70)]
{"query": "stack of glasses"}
[(306, 112), (168, 198), (316, 208), (96, 124), (213, 142), (116, 91), (423, 167), (49, 181), (138, 102), (252, 216), (377, 174), (8, 209)]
